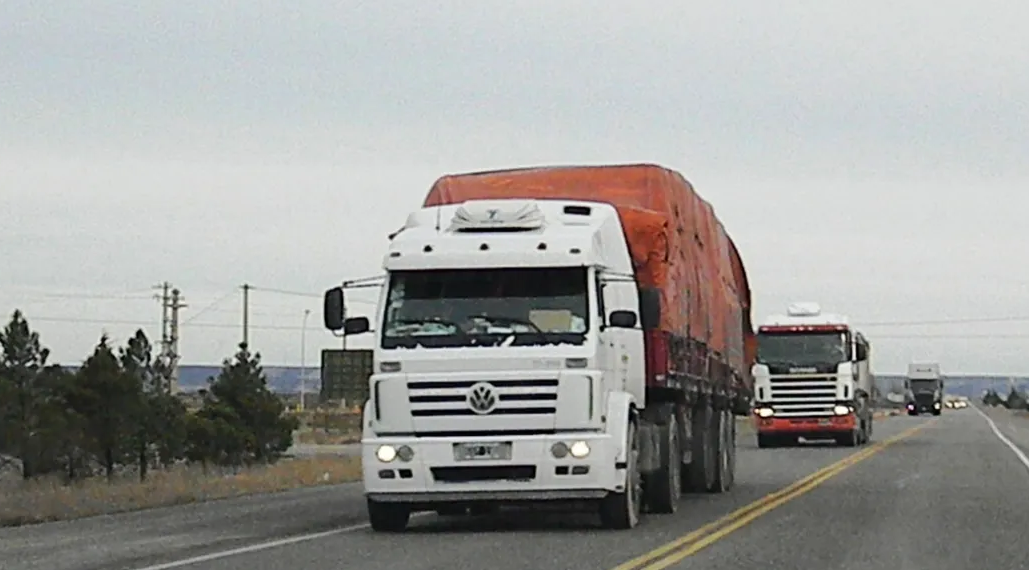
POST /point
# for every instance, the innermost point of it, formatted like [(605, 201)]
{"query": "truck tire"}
[(699, 476), (765, 441), (937, 412), (622, 510), (483, 510), (388, 517), (725, 450), (451, 511), (848, 440), (663, 488)]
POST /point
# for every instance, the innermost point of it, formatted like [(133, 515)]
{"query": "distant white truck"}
[(812, 379), (924, 389)]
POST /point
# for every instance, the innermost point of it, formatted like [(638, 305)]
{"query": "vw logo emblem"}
[(481, 398)]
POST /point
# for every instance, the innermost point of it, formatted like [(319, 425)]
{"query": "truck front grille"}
[(444, 398), (804, 395)]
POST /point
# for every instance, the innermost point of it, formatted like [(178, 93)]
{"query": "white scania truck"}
[(812, 379), (527, 348)]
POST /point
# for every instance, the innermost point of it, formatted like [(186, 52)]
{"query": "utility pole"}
[(173, 339), (165, 299), (303, 358), (246, 314)]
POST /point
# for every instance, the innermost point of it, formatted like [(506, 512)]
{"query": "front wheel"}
[(848, 440), (621, 510), (388, 517)]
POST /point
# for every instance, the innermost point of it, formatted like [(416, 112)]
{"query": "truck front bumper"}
[(433, 475), (814, 427)]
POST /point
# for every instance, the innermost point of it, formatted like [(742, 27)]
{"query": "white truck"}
[(924, 389), (524, 353), (812, 379)]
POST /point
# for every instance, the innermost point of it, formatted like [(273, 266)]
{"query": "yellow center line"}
[(680, 548)]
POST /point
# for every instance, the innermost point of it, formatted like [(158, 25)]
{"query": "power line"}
[(283, 292), (155, 323), (209, 307), (302, 294)]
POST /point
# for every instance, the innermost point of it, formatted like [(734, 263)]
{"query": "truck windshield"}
[(920, 386), (802, 349), (447, 308)]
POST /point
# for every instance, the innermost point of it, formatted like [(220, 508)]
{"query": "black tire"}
[(937, 412), (388, 517), (483, 510), (725, 449), (699, 476), (451, 511), (621, 511), (663, 487), (765, 441), (848, 440)]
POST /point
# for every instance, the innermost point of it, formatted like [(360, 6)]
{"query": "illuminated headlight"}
[(841, 410), (386, 453), (579, 449), (765, 412), (936, 405), (559, 450)]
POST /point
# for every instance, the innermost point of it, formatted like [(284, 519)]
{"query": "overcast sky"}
[(868, 156)]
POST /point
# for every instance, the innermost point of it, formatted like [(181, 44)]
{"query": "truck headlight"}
[(579, 449), (386, 453), (405, 453), (765, 412), (842, 410)]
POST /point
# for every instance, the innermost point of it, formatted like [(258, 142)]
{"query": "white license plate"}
[(482, 451)]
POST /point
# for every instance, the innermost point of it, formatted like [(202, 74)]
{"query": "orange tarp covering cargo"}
[(703, 284)]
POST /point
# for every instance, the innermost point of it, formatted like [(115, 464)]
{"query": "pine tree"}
[(242, 415), (108, 400), (22, 362)]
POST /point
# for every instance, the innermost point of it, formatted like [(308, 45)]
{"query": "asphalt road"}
[(949, 497)]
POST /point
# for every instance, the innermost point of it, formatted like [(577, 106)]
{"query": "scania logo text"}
[(481, 398)]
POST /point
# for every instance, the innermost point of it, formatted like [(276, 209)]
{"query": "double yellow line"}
[(688, 545)]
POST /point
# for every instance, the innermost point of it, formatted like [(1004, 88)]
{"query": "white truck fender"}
[(620, 406)]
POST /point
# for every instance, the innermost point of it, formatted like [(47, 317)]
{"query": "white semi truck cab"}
[(812, 379), (508, 358)]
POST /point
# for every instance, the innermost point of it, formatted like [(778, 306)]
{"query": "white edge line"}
[(1003, 438), (260, 546)]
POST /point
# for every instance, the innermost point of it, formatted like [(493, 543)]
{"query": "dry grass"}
[(328, 427), (41, 501)]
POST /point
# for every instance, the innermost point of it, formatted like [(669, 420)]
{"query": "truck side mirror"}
[(622, 319), (356, 325), (650, 309), (333, 309)]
